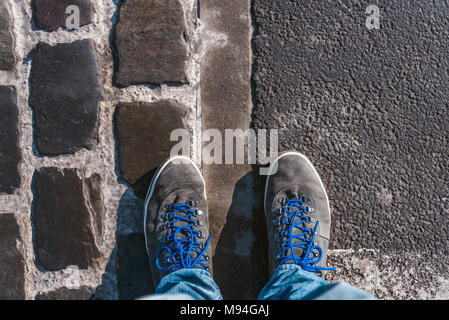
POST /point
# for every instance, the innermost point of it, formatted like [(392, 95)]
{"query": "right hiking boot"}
[(297, 214), (176, 219)]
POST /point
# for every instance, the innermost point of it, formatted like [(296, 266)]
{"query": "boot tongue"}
[(292, 192), (183, 196)]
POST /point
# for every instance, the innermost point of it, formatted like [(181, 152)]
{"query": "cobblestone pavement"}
[(86, 116)]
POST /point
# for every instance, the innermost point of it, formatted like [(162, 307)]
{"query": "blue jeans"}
[(289, 282)]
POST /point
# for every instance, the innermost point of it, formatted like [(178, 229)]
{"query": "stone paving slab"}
[(7, 57), (368, 107), (51, 15), (68, 218), (9, 140), (65, 95), (143, 136), (65, 293), (231, 189), (151, 39), (12, 264)]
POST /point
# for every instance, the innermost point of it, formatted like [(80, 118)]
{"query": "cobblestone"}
[(151, 40), (12, 264), (7, 57), (67, 217), (10, 154), (51, 15), (65, 93)]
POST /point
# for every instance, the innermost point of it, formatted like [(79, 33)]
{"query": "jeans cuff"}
[(288, 266)]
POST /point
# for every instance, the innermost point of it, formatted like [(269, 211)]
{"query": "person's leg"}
[(177, 236), (291, 282), (298, 222), (186, 284)]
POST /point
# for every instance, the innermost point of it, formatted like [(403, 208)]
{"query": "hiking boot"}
[(297, 213), (176, 220)]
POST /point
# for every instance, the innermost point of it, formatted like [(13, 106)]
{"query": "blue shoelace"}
[(181, 249), (304, 240)]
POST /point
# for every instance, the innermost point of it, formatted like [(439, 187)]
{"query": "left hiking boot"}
[(176, 220), (297, 213)]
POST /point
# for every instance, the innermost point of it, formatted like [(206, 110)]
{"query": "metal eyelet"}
[(199, 213), (192, 203), (279, 211), (206, 257), (199, 223), (309, 209)]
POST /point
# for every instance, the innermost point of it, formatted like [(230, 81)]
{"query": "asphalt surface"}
[(368, 107)]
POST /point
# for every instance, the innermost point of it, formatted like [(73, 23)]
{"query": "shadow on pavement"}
[(240, 260), (128, 261)]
